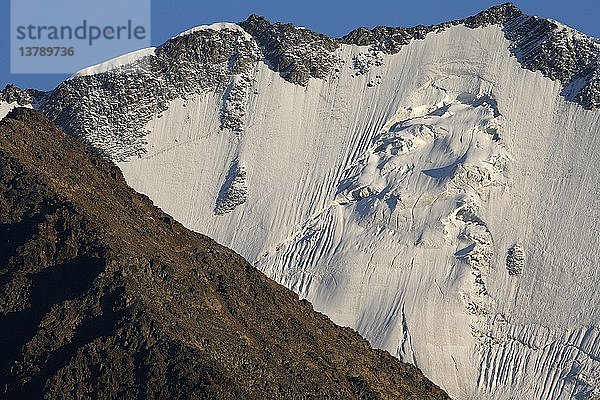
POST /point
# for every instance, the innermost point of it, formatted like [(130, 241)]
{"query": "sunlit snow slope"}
[(393, 207), (442, 200)]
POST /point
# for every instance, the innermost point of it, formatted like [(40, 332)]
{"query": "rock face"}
[(391, 39), (14, 94), (118, 103), (559, 53), (297, 54), (104, 296), (515, 260), (234, 191)]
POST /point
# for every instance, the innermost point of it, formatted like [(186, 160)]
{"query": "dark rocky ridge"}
[(104, 296), (391, 39), (14, 94), (298, 54), (538, 44), (559, 53), (109, 110)]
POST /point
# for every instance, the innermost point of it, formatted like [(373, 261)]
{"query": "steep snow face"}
[(443, 201)]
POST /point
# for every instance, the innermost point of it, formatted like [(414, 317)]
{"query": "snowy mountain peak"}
[(140, 87)]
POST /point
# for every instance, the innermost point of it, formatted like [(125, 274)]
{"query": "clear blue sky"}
[(333, 17)]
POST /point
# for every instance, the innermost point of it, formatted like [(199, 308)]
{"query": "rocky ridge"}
[(109, 110)]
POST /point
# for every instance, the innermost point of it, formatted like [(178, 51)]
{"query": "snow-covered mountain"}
[(436, 188)]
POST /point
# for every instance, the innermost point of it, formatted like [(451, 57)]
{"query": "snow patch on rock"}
[(363, 62), (5, 108)]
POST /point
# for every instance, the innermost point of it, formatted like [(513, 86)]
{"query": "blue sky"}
[(333, 17)]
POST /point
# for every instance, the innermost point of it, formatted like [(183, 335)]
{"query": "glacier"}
[(441, 199), (393, 206)]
